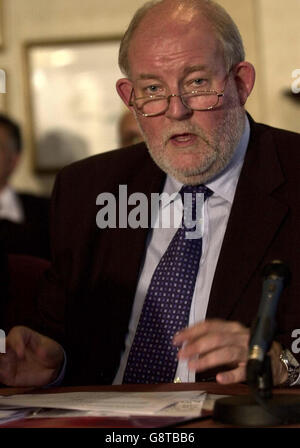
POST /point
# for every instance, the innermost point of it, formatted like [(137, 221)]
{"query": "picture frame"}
[(1, 26), (73, 105)]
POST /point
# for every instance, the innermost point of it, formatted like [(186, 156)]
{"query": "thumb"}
[(18, 338)]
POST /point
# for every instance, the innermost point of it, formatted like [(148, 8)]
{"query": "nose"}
[(177, 110)]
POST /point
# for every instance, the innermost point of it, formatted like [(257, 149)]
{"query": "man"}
[(24, 218), (187, 82)]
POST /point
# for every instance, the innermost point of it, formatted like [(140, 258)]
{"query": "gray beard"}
[(223, 144)]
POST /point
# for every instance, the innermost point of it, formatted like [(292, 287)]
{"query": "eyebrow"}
[(186, 71), (148, 76)]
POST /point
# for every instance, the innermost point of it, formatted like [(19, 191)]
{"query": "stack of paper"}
[(173, 404)]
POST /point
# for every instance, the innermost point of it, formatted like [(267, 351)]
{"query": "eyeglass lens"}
[(159, 105)]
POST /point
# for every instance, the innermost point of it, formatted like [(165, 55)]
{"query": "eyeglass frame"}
[(180, 95)]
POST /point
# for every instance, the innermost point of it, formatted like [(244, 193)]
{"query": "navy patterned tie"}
[(152, 358)]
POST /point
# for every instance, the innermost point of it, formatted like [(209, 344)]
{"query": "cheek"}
[(210, 120), (152, 128)]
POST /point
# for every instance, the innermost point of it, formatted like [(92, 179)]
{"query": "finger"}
[(207, 326), (27, 342), (40, 363), (49, 351), (212, 342), (39, 348), (279, 371), (8, 367), (229, 355), (17, 340), (237, 375)]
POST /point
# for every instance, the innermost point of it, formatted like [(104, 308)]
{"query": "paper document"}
[(179, 403), (9, 415)]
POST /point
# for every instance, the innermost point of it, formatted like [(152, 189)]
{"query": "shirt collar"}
[(10, 205), (224, 184)]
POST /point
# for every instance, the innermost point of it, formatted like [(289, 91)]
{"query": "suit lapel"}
[(254, 220), (149, 180), (119, 252)]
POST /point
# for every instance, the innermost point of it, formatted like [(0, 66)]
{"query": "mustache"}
[(185, 129)]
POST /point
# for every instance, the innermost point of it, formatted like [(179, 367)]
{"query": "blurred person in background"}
[(24, 218), (129, 131)]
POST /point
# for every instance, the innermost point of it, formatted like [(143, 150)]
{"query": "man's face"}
[(171, 57), (8, 156)]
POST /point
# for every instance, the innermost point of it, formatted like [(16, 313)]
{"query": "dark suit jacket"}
[(88, 296), (32, 236), (4, 285)]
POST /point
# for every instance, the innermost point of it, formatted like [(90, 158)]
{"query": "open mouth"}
[(183, 139)]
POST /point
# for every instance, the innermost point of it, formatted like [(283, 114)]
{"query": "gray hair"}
[(226, 31)]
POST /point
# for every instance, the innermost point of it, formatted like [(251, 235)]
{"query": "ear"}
[(124, 89), (244, 76)]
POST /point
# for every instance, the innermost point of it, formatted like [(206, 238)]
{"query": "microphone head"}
[(277, 269)]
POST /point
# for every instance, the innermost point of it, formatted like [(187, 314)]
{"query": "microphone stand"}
[(261, 408)]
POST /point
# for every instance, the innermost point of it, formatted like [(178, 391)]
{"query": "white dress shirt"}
[(10, 206), (216, 212)]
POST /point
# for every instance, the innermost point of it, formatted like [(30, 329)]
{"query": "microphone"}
[(276, 277), (261, 408)]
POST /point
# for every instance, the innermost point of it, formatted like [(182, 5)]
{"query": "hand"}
[(214, 343), (31, 359)]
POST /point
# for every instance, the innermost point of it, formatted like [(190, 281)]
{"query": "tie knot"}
[(192, 204), (196, 189)]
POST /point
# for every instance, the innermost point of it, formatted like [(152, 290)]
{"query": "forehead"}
[(166, 47)]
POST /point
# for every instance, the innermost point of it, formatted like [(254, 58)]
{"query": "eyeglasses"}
[(153, 105)]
